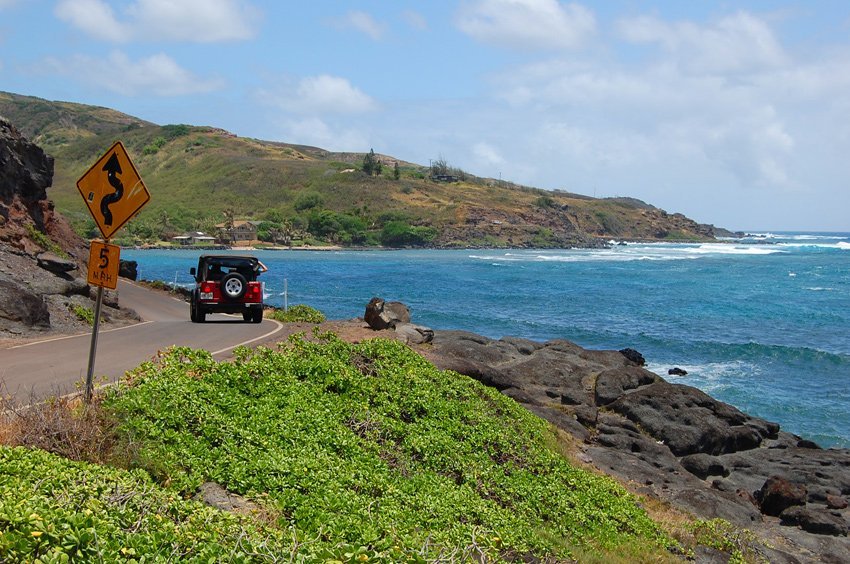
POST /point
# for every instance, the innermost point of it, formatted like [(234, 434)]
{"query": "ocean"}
[(762, 323)]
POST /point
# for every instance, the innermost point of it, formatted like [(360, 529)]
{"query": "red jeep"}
[(227, 284)]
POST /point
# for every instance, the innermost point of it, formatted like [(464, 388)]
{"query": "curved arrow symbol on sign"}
[(113, 169)]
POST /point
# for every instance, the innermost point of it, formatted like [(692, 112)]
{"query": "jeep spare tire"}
[(234, 285)]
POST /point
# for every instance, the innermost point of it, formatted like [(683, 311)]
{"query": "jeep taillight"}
[(206, 287)]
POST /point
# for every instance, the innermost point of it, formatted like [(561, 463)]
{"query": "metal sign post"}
[(93, 348), (113, 192)]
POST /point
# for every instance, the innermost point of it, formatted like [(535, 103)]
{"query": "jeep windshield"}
[(218, 265)]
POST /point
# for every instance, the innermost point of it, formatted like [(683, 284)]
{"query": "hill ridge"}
[(201, 175)]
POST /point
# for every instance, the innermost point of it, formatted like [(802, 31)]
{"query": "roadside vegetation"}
[(297, 313), (346, 452)]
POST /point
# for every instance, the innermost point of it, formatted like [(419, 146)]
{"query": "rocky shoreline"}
[(671, 441), (668, 441)]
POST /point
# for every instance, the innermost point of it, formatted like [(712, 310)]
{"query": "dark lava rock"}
[(824, 471), (381, 314), (778, 494), (216, 496), (611, 384), (815, 521), (670, 441), (414, 334), (836, 502), (19, 305), (55, 264), (25, 169), (689, 421), (633, 356), (704, 465), (128, 269), (676, 371)]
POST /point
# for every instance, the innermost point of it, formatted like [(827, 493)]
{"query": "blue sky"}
[(733, 113)]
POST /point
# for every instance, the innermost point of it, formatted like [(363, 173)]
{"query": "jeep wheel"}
[(258, 316), (195, 312), (234, 285), (247, 315)]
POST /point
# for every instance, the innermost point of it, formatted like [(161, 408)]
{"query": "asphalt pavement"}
[(58, 365)]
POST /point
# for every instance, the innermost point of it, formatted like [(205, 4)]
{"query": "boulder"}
[(48, 285), (611, 384), (676, 371), (55, 264), (128, 269), (815, 521), (414, 334), (778, 494), (216, 496), (836, 502), (633, 356), (689, 421), (19, 305), (825, 472), (381, 314), (704, 465)]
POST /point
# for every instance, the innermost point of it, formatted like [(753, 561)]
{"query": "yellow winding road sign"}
[(113, 190)]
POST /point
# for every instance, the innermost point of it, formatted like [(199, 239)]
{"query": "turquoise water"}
[(761, 323)]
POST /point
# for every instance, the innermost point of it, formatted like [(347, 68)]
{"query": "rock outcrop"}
[(42, 260), (671, 441), (381, 314)]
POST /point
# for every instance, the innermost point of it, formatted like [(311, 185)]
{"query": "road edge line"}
[(255, 339), (64, 337)]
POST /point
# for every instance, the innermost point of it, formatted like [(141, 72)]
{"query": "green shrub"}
[(722, 535), (55, 510), (308, 201), (83, 313), (298, 313), (371, 450), (45, 242), (401, 234), (545, 202)]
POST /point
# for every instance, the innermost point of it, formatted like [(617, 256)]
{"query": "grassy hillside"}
[(347, 452), (197, 176)]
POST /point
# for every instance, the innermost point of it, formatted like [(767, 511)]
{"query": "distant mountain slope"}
[(197, 176)]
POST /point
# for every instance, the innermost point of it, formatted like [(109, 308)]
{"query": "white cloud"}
[(754, 147), (723, 96), (199, 21), (740, 42), (322, 94), (364, 23), (315, 131), (487, 155), (527, 24), (158, 75), (93, 17), (415, 20)]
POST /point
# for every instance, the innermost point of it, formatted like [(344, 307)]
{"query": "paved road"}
[(54, 366)]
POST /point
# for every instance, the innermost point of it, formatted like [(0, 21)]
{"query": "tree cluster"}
[(371, 165)]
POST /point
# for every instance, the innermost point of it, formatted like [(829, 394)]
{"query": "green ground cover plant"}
[(370, 446), (298, 313), (83, 313), (56, 510)]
